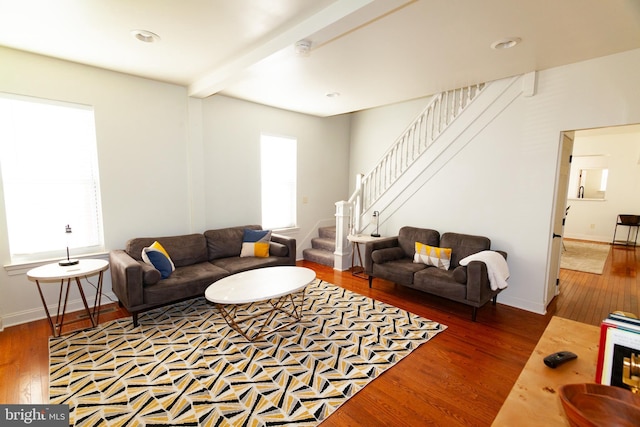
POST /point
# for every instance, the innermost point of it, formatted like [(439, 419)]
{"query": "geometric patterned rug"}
[(184, 366)]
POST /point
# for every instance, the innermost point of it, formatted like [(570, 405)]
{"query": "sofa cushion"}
[(433, 255), (158, 257), (226, 242), (185, 282), (399, 271), (237, 264), (408, 236), (255, 243), (184, 250), (463, 245), (440, 282)]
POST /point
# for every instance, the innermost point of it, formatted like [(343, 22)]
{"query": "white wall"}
[(170, 164), (502, 184), (231, 138), (141, 128), (595, 219)]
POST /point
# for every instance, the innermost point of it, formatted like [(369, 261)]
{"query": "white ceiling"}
[(371, 52)]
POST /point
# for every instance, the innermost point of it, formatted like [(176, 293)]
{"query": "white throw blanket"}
[(497, 268)]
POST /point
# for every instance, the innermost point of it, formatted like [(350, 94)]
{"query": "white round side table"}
[(357, 240), (65, 274)]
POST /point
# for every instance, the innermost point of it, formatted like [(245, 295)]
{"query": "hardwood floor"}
[(589, 298), (459, 378)]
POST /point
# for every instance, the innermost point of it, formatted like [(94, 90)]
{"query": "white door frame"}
[(559, 208)]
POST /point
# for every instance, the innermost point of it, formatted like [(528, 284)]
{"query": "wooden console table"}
[(534, 399)]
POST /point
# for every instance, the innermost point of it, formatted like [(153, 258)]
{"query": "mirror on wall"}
[(592, 183), (588, 177)]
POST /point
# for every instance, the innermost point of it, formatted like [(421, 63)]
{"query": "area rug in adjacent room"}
[(184, 366), (584, 256)]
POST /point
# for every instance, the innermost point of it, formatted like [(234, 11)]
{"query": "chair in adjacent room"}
[(632, 222)]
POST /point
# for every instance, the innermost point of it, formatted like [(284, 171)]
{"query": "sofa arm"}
[(369, 247), (380, 256), (126, 278), (290, 244), (478, 286)]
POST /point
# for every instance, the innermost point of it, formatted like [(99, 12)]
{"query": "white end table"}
[(357, 240), (54, 272), (277, 285)]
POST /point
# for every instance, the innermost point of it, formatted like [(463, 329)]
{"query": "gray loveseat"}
[(199, 259), (392, 259)]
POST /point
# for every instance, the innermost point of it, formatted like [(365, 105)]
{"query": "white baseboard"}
[(26, 316), (588, 237), (522, 304)]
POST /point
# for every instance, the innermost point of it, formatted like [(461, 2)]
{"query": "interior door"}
[(562, 187)]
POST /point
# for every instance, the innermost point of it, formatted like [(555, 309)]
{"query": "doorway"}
[(593, 218)]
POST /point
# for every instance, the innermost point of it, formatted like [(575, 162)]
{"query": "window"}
[(278, 172), (49, 167)]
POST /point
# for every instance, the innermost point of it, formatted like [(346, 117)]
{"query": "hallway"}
[(589, 298)]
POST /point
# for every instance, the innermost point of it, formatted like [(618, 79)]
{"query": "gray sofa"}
[(392, 259), (199, 259)]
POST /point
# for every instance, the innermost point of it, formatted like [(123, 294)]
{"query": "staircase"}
[(429, 142), (322, 247)]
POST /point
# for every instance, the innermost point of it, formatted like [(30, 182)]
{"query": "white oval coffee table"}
[(275, 285)]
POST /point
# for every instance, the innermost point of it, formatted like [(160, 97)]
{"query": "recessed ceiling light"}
[(145, 36), (506, 43)]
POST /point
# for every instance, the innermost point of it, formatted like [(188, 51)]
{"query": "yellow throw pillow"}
[(431, 255)]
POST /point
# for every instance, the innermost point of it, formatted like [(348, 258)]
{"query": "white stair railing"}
[(412, 143)]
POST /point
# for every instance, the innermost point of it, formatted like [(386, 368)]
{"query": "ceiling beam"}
[(220, 78)]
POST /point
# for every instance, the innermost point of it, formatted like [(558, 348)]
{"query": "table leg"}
[(46, 309), (60, 318), (234, 320), (84, 301), (358, 271), (98, 300), (353, 256)]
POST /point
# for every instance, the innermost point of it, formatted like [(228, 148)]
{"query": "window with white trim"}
[(278, 167), (50, 179)]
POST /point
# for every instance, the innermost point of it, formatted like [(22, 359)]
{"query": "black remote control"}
[(556, 359)]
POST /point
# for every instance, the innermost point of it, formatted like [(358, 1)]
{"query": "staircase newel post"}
[(357, 205), (343, 248)]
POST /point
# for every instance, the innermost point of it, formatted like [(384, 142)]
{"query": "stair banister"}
[(439, 113), (356, 206), (343, 248)]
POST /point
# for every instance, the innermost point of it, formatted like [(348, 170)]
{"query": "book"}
[(619, 342), (601, 346), (632, 322)]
